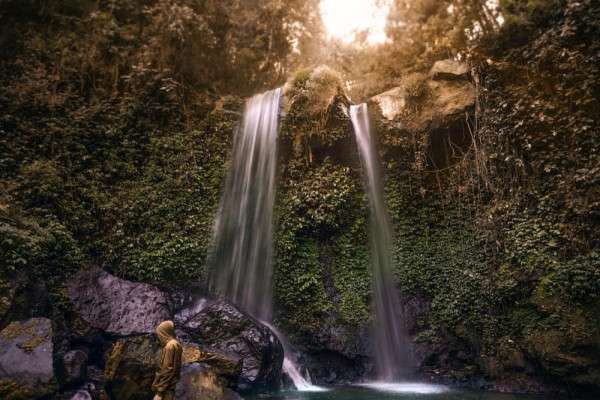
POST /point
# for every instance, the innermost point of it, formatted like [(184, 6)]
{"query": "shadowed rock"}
[(199, 382), (130, 367), (118, 306), (223, 327)]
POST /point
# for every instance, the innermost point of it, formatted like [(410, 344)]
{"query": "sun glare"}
[(343, 19)]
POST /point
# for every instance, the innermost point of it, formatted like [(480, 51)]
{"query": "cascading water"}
[(392, 348), (290, 368), (243, 239), (243, 244)]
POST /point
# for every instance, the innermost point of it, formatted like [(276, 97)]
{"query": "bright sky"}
[(344, 18)]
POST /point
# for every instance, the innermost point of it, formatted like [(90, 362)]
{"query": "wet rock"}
[(200, 382), (26, 351), (118, 306), (227, 368), (223, 327), (449, 70), (191, 308)]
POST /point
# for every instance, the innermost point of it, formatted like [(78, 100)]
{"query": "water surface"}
[(363, 393)]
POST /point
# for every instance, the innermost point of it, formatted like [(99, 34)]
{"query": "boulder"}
[(26, 352), (130, 367), (200, 382), (222, 327), (227, 368), (449, 70), (118, 306), (190, 309)]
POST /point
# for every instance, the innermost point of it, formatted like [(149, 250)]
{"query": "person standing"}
[(169, 368)]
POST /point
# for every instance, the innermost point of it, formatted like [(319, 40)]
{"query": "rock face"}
[(223, 327), (337, 354), (118, 306), (26, 352), (449, 70), (423, 103)]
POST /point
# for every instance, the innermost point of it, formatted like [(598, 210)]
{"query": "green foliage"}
[(42, 252), (315, 109), (577, 280), (440, 256), (322, 273)]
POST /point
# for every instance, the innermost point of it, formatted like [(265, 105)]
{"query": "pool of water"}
[(399, 392)]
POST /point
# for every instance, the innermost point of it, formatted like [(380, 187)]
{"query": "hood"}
[(165, 332)]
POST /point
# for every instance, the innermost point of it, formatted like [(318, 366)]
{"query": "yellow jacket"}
[(169, 367)]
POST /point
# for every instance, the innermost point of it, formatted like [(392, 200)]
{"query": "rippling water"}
[(402, 392)]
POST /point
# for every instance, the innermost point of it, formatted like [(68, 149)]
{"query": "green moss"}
[(322, 273)]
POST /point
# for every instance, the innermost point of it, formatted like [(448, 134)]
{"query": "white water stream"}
[(302, 383), (393, 358), (243, 240)]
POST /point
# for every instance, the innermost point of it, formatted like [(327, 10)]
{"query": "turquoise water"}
[(358, 393)]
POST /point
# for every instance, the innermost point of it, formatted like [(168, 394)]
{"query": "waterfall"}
[(243, 234), (392, 348), (290, 368), (242, 254)]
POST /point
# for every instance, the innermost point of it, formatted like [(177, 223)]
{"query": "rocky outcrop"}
[(118, 306), (26, 353), (223, 327), (424, 102), (449, 70)]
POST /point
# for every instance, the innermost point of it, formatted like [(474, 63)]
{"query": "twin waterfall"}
[(243, 244), (242, 255), (392, 351)]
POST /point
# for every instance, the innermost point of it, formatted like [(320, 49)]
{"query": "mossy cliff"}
[(493, 197)]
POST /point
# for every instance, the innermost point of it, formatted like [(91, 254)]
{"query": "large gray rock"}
[(200, 382), (26, 353), (223, 327), (118, 306)]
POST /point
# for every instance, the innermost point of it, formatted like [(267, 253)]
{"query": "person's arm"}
[(164, 376)]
